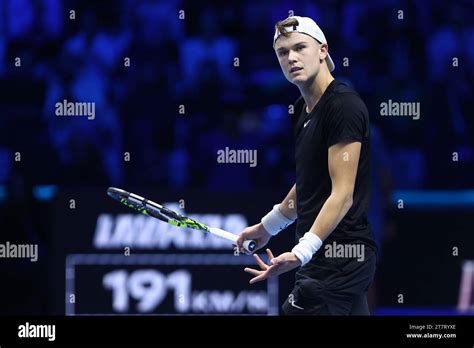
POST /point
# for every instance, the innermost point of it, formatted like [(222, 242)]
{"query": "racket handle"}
[(249, 245)]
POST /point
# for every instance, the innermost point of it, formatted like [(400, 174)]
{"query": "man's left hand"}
[(278, 265)]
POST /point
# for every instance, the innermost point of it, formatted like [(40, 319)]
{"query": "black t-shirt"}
[(339, 116)]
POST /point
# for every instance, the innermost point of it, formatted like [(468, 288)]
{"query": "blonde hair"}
[(281, 25)]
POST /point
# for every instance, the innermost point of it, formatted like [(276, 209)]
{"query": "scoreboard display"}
[(165, 284)]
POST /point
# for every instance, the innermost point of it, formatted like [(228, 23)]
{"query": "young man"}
[(336, 248)]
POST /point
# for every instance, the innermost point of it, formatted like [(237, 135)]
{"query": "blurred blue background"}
[(142, 61)]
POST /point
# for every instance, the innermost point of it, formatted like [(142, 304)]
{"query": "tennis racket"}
[(162, 213)]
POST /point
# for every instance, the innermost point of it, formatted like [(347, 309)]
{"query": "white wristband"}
[(275, 221), (307, 246)]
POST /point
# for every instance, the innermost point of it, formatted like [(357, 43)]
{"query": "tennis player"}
[(331, 194)]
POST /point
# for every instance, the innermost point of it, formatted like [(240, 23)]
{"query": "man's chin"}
[(298, 80)]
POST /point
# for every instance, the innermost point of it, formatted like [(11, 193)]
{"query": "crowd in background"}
[(175, 81)]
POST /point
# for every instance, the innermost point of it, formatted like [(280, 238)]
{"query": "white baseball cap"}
[(309, 27)]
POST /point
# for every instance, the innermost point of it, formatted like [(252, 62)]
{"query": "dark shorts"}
[(338, 287)]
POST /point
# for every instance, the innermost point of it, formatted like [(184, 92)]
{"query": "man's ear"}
[(323, 48)]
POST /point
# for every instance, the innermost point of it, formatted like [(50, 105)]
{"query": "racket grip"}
[(249, 246)]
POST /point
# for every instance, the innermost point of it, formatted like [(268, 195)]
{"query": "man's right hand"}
[(257, 233)]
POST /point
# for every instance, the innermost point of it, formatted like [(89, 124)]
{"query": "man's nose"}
[(291, 57)]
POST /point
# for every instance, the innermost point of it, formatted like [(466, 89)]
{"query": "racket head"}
[(137, 203), (117, 193), (153, 209), (158, 211)]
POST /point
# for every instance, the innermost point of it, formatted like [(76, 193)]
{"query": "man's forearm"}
[(282, 215), (331, 214), (288, 205)]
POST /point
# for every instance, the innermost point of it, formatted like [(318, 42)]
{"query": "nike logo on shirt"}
[(304, 125), (291, 301)]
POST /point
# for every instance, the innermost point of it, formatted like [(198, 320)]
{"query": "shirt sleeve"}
[(346, 120)]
